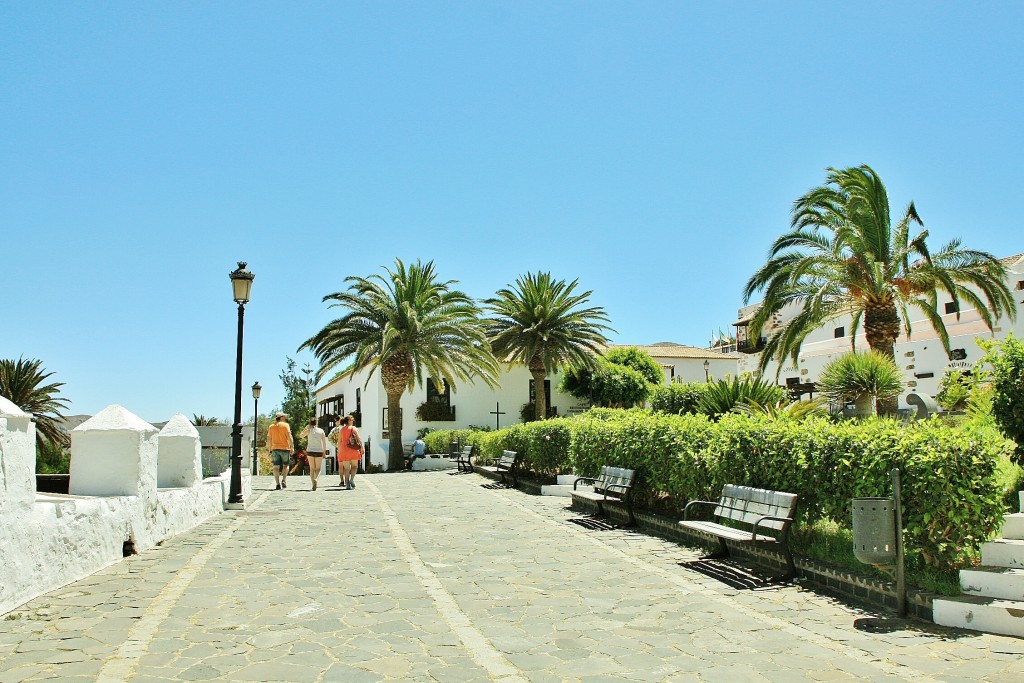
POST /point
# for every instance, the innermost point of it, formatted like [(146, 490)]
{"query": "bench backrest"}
[(467, 451), (747, 505), (618, 476), (507, 459)]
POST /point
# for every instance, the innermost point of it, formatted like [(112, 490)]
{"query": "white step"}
[(991, 615), (994, 582), (1013, 526), (1003, 552), (562, 489), (428, 463)]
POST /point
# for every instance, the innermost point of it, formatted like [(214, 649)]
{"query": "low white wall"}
[(50, 540)]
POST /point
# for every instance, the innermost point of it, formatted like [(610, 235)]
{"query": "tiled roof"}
[(1010, 260), (671, 350)]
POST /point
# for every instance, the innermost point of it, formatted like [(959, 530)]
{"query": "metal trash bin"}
[(874, 530), (453, 449)]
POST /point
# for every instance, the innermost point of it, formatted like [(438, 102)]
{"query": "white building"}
[(921, 356), (477, 404)]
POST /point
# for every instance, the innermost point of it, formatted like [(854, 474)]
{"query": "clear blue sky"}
[(650, 149)]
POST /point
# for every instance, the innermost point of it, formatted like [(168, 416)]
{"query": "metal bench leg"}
[(790, 566), (722, 552)]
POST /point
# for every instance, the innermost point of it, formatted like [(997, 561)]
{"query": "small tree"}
[(864, 377), (1006, 359), (299, 401), (606, 384), (636, 359)]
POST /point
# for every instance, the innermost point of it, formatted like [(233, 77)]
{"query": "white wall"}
[(50, 540), (475, 403)]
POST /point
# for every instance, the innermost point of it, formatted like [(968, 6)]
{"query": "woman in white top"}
[(316, 448)]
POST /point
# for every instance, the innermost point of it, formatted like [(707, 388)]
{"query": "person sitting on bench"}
[(419, 450)]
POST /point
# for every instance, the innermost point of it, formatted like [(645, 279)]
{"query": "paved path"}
[(432, 577)]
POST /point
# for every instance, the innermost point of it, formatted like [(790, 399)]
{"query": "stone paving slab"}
[(432, 577)]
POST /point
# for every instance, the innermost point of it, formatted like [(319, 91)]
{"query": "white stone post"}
[(114, 453), (17, 457), (179, 461)]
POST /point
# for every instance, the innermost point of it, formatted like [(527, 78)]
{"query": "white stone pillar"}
[(179, 461), (17, 457), (114, 453)]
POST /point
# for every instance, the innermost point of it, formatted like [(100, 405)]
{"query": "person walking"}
[(350, 452), (279, 438), (316, 449)]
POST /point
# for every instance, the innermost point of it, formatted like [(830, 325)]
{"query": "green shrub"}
[(52, 458), (675, 399), (953, 479), (954, 390), (1006, 359), (722, 396)]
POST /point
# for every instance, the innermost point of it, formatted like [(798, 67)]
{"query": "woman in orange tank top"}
[(350, 452)]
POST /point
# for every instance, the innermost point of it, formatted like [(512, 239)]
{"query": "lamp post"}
[(707, 377), (241, 285), (256, 389)]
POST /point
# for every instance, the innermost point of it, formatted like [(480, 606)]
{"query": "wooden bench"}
[(614, 485), (506, 465), (755, 511)]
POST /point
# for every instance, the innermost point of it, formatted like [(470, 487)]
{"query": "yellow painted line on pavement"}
[(479, 647), (121, 666)]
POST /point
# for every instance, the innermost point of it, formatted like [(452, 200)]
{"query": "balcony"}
[(751, 346)]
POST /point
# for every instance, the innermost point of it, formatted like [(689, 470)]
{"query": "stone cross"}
[(497, 413)]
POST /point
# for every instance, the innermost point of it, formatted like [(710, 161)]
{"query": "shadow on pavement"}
[(594, 523), (733, 574)]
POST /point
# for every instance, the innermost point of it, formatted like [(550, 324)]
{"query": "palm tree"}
[(864, 377), (538, 322), (844, 256), (203, 421), (21, 382), (407, 325)]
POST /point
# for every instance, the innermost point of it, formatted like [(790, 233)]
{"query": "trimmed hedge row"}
[(951, 497)]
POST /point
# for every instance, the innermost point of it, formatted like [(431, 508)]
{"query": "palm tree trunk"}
[(540, 398), (395, 375), (882, 327), (395, 459)]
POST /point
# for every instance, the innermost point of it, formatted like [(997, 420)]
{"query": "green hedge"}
[(952, 499)]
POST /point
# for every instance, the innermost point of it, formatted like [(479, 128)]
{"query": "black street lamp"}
[(707, 377), (241, 285), (256, 389)]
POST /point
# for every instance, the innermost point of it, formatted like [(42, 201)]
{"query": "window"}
[(951, 307), (547, 391), (840, 332), (1020, 285), (435, 396), (958, 354)]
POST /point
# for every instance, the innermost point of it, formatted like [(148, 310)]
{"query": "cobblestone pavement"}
[(432, 577)]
